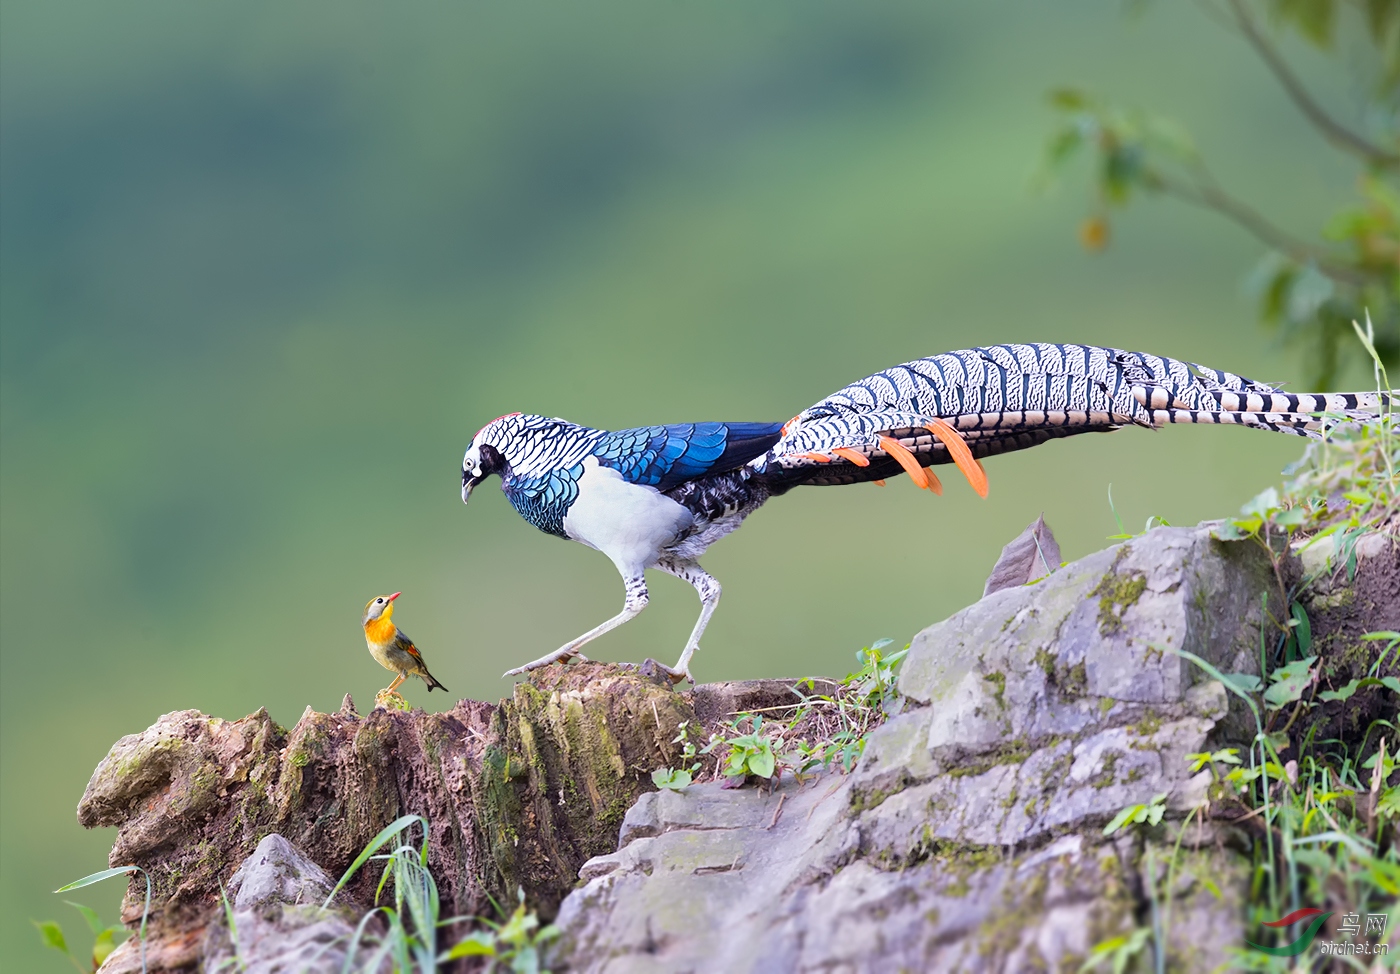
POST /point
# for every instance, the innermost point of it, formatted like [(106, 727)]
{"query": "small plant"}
[(103, 937), (1228, 755), (672, 779), (821, 730), (838, 723), (1117, 951), (1153, 521), (751, 753), (1150, 813), (409, 943), (514, 946), (678, 779)]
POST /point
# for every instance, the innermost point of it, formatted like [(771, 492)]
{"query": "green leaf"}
[(1242, 682), (94, 922), (1171, 138), (675, 780), (1063, 146), (1068, 99), (1302, 629), (1346, 692), (103, 946), (1228, 531), (763, 763), (1121, 819), (1314, 19), (1261, 504), (385, 834), (1122, 169), (97, 878), (482, 943), (52, 934), (1289, 683)]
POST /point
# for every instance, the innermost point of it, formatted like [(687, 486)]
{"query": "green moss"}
[(1010, 800), (1046, 661), (154, 759), (1014, 751), (1150, 724), (1116, 593), (961, 859), (1109, 764), (997, 680), (862, 801), (1075, 680), (1022, 906), (1106, 704)]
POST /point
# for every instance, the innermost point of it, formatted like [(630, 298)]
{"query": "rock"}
[(279, 925), (970, 835)]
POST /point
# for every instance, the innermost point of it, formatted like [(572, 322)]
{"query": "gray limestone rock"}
[(970, 835), (279, 925)]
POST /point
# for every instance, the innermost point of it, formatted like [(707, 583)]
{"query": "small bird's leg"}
[(709, 591), (635, 602), (395, 685)]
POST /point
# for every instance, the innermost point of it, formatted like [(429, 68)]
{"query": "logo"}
[(1349, 928), (1303, 942)]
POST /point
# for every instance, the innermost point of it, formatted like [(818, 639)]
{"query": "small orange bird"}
[(391, 646)]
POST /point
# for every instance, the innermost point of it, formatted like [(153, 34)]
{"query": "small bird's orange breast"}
[(380, 631)]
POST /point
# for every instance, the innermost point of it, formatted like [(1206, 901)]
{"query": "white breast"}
[(629, 523)]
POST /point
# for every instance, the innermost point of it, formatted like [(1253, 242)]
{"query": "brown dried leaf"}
[(1032, 555)]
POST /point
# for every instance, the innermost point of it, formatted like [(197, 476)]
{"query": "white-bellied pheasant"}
[(658, 496)]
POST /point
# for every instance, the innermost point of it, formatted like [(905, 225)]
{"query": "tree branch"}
[(1211, 197), (1336, 133)]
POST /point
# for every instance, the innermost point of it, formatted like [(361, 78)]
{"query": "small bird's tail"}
[(432, 682)]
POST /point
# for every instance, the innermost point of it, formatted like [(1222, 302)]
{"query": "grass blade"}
[(385, 834)]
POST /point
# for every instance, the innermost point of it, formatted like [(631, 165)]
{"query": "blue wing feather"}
[(667, 456)]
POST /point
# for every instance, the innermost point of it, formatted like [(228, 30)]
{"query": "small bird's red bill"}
[(394, 596)]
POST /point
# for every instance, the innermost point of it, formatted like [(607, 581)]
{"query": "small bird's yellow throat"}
[(381, 631)]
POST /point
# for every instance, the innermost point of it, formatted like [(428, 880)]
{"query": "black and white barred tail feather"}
[(1003, 398)]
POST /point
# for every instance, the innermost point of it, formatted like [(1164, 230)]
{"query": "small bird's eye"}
[(379, 600)]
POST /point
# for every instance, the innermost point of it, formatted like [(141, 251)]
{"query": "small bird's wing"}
[(667, 456), (401, 641)]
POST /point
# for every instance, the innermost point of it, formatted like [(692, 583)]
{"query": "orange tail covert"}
[(957, 449)]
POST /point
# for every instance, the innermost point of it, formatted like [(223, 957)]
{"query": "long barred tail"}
[(1002, 398)]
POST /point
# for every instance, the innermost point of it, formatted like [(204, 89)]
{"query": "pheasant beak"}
[(469, 480)]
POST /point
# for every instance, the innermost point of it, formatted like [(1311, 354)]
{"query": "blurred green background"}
[(267, 267)]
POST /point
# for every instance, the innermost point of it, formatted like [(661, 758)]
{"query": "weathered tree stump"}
[(519, 795)]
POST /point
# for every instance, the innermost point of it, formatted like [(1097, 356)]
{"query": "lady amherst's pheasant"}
[(658, 496)]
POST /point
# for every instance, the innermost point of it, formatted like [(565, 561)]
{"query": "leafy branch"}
[(1309, 290)]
